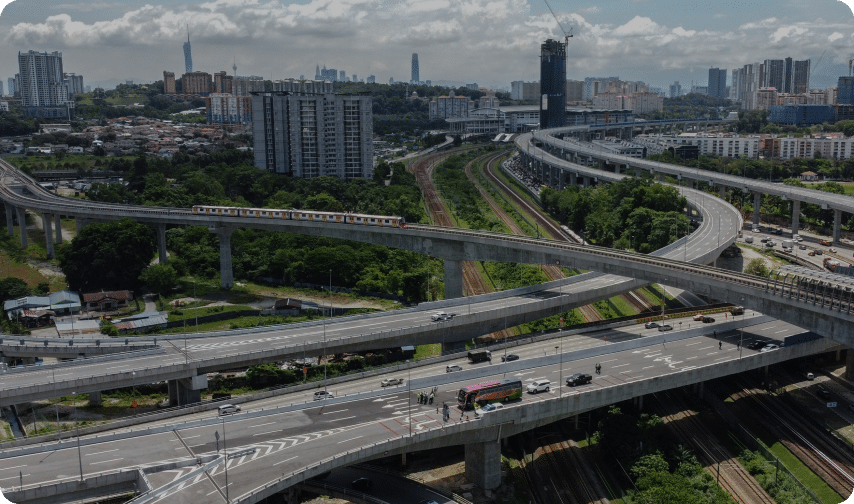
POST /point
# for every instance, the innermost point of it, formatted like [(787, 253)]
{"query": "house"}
[(107, 301), (27, 303), (142, 322), (76, 327), (808, 176), (35, 318), (64, 302)]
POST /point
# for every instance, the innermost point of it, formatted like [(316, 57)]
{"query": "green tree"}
[(160, 278), (107, 256), (13, 288), (757, 267), (648, 464)]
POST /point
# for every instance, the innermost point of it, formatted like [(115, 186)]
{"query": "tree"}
[(159, 278), (107, 256), (757, 267), (13, 288)]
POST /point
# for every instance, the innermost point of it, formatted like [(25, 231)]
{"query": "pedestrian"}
[(720, 345)]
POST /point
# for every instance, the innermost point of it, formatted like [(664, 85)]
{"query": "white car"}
[(322, 394), (538, 386), (391, 381), (831, 250), (440, 316), (452, 368), (488, 408), (769, 347), (228, 409)]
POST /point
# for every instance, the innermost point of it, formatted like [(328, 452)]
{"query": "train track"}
[(718, 461), (563, 467)]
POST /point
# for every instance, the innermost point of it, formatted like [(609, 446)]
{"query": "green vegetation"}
[(757, 267), (462, 195), (691, 106), (779, 485)]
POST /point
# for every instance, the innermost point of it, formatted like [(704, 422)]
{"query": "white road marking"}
[(351, 439), (15, 467), (106, 461), (259, 425), (333, 412), (706, 347), (695, 343), (345, 418), (523, 374), (264, 433), (610, 360), (647, 367), (283, 461), (98, 453), (13, 477), (620, 365)]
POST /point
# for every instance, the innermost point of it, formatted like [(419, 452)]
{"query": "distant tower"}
[(188, 56), (552, 84), (415, 77), (317, 73), (234, 67)]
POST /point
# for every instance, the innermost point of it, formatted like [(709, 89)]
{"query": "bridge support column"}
[(80, 223), (161, 243), (586, 180), (185, 391), (576, 422), (637, 171), (22, 224), (849, 363), (573, 178), (483, 464), (837, 224), (661, 177), (95, 399), (561, 180), (453, 279), (226, 277), (601, 164), (722, 190), (616, 167), (48, 234), (57, 224), (10, 220), (796, 216), (757, 205)]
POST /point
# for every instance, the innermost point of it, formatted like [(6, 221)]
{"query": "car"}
[(757, 345), (811, 253), (362, 484), (698, 318), (737, 310), (764, 239), (809, 376), (769, 244), (228, 409), (452, 368), (391, 381), (778, 231), (769, 347), (818, 252), (320, 395), (509, 357), (440, 316), (651, 325), (802, 246), (578, 379), (538, 386), (826, 243), (488, 408), (708, 320), (665, 327), (831, 250), (823, 393)]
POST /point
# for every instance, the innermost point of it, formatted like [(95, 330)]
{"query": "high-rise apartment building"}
[(735, 87), (313, 135), (775, 72), (552, 84), (488, 100), (675, 90), (74, 83), (788, 75), (342, 76), (197, 83), (243, 86), (717, 82), (42, 86), (223, 83), (574, 90), (372, 79), (13, 90), (801, 76), (444, 107), (168, 82), (188, 55), (415, 78), (225, 108), (845, 90), (751, 80), (591, 88), (520, 90), (1, 88)]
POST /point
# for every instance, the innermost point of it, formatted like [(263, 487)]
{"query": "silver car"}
[(391, 381)]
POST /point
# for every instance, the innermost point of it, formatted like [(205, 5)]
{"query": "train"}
[(302, 215)]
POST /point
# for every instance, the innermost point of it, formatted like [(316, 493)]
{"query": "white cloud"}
[(787, 31), (834, 36)]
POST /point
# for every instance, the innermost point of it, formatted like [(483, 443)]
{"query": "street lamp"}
[(56, 406), (225, 454), (326, 359), (741, 342), (79, 456)]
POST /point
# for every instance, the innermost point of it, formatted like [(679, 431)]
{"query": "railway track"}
[(718, 461), (563, 467)]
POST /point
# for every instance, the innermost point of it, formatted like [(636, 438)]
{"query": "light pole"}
[(326, 360), (79, 456), (56, 406), (133, 391), (195, 305), (225, 454), (741, 341)]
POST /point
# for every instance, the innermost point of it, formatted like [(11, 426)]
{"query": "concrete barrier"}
[(132, 481)]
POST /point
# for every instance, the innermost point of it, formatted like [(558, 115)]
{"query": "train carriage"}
[(302, 215)]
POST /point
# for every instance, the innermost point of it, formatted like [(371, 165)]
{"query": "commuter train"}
[(301, 215)]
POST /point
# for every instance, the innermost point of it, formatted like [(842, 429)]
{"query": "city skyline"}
[(656, 43)]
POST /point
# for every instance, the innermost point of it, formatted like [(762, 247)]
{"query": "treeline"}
[(633, 213), (773, 169)]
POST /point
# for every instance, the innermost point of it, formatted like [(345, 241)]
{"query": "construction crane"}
[(566, 35)]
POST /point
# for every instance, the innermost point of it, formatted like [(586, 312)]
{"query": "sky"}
[(491, 42)]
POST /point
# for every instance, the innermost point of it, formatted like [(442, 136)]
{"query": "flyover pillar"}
[(796, 216), (722, 190), (10, 220), (185, 391), (616, 167), (757, 205), (661, 176), (637, 171), (95, 399), (586, 180), (80, 223), (57, 223), (161, 243), (483, 464), (48, 235), (573, 178), (22, 223), (601, 164), (849, 363), (837, 224), (226, 277), (453, 279)]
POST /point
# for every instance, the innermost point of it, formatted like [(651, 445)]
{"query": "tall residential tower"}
[(552, 84), (415, 78), (43, 90)]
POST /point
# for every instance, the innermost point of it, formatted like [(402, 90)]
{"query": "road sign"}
[(831, 404)]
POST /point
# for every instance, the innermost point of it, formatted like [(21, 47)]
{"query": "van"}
[(228, 409), (538, 386), (748, 239)]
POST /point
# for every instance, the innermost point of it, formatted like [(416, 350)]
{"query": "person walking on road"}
[(720, 345)]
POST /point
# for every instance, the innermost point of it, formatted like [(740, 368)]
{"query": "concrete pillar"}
[(57, 224), (226, 277), (640, 403), (837, 224), (661, 176), (573, 178), (576, 422), (849, 363), (796, 216), (453, 279), (80, 223), (483, 464), (562, 181), (95, 399), (403, 459), (601, 164), (10, 220), (637, 171), (586, 180), (185, 391), (722, 190), (616, 167), (22, 224), (757, 204), (161, 243), (48, 235)]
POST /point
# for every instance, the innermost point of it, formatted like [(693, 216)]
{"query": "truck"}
[(788, 245), (440, 316), (830, 264), (480, 356)]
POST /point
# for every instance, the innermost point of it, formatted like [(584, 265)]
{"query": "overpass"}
[(559, 174)]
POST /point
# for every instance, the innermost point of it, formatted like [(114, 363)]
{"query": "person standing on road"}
[(720, 345)]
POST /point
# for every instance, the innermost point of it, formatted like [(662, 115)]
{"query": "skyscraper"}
[(416, 78), (552, 84), (801, 77), (787, 76), (717, 82), (12, 88), (775, 71), (42, 86), (168, 82), (188, 56), (846, 91)]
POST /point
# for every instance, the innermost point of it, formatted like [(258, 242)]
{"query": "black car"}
[(708, 320), (578, 379), (362, 484), (509, 357), (823, 393), (757, 345)]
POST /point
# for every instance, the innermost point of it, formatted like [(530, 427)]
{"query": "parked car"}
[(665, 327), (708, 320), (802, 246), (452, 368), (764, 239), (320, 395), (509, 357), (538, 386), (489, 408), (778, 231), (362, 484), (831, 250), (228, 409), (578, 379), (651, 325), (391, 381), (818, 252)]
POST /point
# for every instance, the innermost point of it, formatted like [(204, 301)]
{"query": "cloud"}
[(834, 36), (787, 31)]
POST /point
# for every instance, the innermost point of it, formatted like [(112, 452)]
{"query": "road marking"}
[(187, 437), (721, 358), (712, 353), (13, 477), (106, 461), (695, 343), (259, 425), (689, 358), (610, 360), (782, 330), (264, 433), (520, 374), (345, 418), (98, 453), (647, 367), (381, 399), (15, 467), (351, 439), (333, 412), (706, 347), (621, 365), (283, 461)]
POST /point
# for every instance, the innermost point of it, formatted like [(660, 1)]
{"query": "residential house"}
[(64, 302), (107, 301)]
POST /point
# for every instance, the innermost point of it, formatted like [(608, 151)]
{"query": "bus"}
[(488, 392)]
